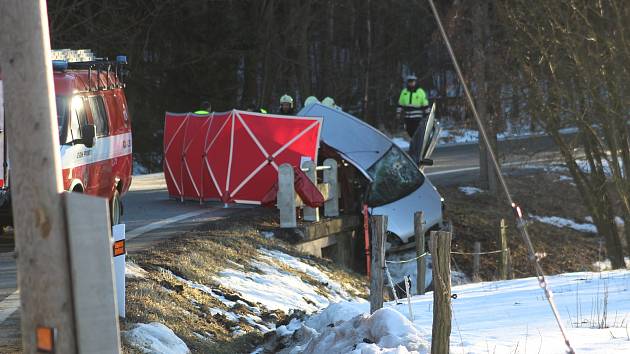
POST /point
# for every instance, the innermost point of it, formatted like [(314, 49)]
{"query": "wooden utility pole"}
[(421, 263), (39, 218), (440, 246), (379, 229)]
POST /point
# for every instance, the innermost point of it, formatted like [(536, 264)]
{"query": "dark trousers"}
[(411, 124), (415, 128)]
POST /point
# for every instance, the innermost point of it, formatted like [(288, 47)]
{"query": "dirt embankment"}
[(181, 288)]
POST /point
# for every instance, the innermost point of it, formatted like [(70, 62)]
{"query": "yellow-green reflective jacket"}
[(417, 98)]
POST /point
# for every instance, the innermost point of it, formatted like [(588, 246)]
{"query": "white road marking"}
[(9, 305), (156, 225)]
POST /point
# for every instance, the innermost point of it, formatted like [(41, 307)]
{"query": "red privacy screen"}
[(233, 156)]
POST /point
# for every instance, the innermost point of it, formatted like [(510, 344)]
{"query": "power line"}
[(518, 214)]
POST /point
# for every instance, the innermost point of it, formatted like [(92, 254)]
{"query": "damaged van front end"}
[(395, 186)]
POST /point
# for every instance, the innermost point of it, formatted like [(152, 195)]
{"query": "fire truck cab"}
[(94, 130)]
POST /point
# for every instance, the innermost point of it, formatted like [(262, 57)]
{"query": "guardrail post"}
[(440, 246), (286, 196), (420, 262), (503, 256), (476, 261), (311, 214), (379, 228), (331, 206)]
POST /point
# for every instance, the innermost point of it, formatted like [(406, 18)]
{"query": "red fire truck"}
[(94, 130)]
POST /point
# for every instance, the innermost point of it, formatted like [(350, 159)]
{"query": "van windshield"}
[(62, 116), (394, 176)]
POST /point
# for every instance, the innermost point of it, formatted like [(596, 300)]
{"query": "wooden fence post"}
[(476, 261), (503, 256), (379, 228), (440, 247), (422, 261)]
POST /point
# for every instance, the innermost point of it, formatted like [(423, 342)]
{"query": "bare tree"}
[(572, 57)]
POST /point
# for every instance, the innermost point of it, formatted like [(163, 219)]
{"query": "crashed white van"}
[(396, 186)]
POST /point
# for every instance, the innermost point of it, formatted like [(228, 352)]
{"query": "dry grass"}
[(477, 218), (198, 256)]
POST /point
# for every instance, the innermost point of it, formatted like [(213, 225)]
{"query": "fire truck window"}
[(78, 118), (99, 115), (62, 117)]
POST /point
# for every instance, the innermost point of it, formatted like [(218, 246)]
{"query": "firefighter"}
[(286, 106), (204, 108), (329, 101), (253, 108), (412, 105), (310, 100)]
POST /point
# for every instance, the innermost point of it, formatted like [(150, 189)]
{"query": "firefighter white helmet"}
[(286, 99), (310, 100), (329, 101), (412, 77)]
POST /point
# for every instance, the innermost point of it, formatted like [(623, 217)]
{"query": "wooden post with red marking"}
[(64, 306), (41, 242)]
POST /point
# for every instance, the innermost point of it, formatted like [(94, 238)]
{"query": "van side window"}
[(99, 115), (77, 120)]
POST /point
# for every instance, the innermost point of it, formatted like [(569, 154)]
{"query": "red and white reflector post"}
[(120, 255)]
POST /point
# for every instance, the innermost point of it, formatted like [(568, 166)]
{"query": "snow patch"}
[(601, 266), (470, 190), (385, 331), (275, 288), (155, 338), (508, 316), (564, 222), (134, 271), (398, 271), (401, 143)]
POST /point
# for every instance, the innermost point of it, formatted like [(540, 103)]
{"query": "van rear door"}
[(425, 139)]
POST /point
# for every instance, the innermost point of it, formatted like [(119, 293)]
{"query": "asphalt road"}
[(151, 215)]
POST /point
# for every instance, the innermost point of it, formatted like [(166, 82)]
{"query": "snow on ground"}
[(563, 222), (510, 316), (605, 265), (154, 338), (454, 136), (134, 271), (341, 330), (277, 289), (278, 281), (470, 190), (139, 169), (398, 271)]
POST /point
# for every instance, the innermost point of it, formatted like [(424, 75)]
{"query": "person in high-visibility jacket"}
[(412, 105), (204, 108)]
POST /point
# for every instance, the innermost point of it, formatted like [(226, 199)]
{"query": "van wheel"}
[(115, 208)]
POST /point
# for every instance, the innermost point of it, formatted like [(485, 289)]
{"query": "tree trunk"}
[(487, 178)]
